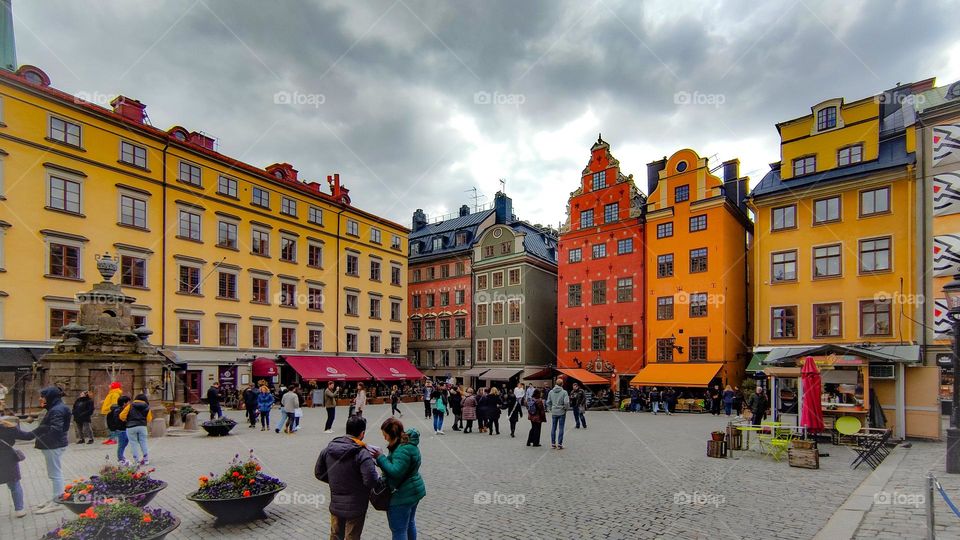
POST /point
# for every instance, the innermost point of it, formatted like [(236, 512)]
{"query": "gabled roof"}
[(454, 224), (447, 230), (536, 242)]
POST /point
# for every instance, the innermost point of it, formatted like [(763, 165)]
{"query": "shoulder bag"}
[(381, 494), (17, 452)]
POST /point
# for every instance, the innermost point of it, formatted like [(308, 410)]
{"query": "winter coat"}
[(114, 423), (541, 415), (514, 407), (494, 403), (758, 404), (250, 398), (470, 407), (52, 431), (110, 401), (137, 413), (558, 401), (484, 409), (264, 401), (402, 471), (213, 397), (9, 467), (456, 403), (82, 410), (330, 397), (578, 398), (728, 396), (290, 401), (347, 465)]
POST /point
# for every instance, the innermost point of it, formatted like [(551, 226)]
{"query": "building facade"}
[(601, 313)]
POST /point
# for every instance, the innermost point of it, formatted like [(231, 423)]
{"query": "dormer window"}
[(598, 181), (826, 118), (437, 244), (850, 155), (804, 165), (278, 174), (461, 238)]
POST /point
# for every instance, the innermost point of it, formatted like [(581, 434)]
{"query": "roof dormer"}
[(826, 116)]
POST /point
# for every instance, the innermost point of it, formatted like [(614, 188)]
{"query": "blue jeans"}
[(655, 406), (138, 441), (579, 417), (557, 421), (728, 407), (402, 520), (16, 491), (437, 420), (54, 470), (122, 442), (265, 418)]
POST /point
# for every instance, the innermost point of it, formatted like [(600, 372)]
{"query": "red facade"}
[(601, 272), (437, 282)]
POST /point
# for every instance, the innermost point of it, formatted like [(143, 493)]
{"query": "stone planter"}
[(218, 429), (236, 510), (79, 505), (160, 535)]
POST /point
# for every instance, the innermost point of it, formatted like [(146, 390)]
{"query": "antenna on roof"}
[(477, 196), (503, 185)]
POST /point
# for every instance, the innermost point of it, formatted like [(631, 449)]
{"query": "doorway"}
[(191, 385)]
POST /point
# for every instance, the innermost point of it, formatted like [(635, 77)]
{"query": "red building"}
[(601, 273)]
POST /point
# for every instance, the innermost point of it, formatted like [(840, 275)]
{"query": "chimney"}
[(504, 207), (464, 210), (733, 185), (731, 170), (200, 139), (338, 190), (129, 108), (419, 220), (653, 173)]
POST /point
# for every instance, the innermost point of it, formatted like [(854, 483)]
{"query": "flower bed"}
[(239, 494), (116, 521), (128, 483)]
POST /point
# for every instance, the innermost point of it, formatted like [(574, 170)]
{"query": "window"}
[(227, 234), (64, 131), (573, 339), (460, 327), (513, 311), (513, 352), (513, 276), (850, 155), (395, 242), (625, 338), (826, 210), (416, 301), (288, 206), (875, 318), (665, 265), (783, 323), (375, 235), (429, 298), (189, 332), (189, 173), (698, 223), (784, 217), (576, 255), (189, 282), (599, 180), (598, 338), (189, 225), (444, 328), (132, 154), (482, 351), (698, 349), (260, 244), (260, 291), (445, 299), (875, 255), (625, 290), (698, 260), (315, 255), (665, 350), (288, 337), (261, 197), (599, 290), (415, 248), (139, 321), (133, 212), (804, 165), (783, 266), (353, 228), (375, 345), (315, 339), (288, 249), (227, 286), (395, 349), (394, 275), (487, 252), (497, 350), (826, 320), (64, 195), (611, 213), (482, 282), (315, 215), (60, 318), (624, 246), (444, 270), (64, 261), (415, 330), (353, 341), (875, 201), (375, 272), (586, 218), (599, 251), (315, 298), (497, 312), (664, 308), (227, 186), (826, 261), (482, 314), (681, 193), (826, 118), (375, 307), (133, 271), (261, 336), (353, 304), (461, 269), (228, 334), (698, 304), (437, 245), (574, 295), (353, 264), (497, 280), (460, 297), (461, 354), (665, 230)]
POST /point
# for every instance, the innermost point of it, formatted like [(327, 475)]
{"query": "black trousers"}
[(394, 408), (493, 423), (469, 427), (513, 426), (534, 436), (331, 413), (252, 415), (427, 413)]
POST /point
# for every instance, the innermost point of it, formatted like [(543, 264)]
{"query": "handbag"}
[(381, 494), (17, 452)]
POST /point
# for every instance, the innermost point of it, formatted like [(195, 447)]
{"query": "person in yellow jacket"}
[(137, 415), (108, 404)]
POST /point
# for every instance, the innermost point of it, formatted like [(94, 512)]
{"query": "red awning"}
[(264, 367), (327, 368), (390, 369)]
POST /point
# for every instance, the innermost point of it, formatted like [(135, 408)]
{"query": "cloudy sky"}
[(414, 103)]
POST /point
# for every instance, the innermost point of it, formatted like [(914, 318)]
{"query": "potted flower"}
[(219, 427), (239, 494), (117, 521), (128, 483), (184, 411)]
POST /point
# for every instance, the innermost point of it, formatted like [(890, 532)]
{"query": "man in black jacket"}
[(578, 400), (213, 398), (250, 403), (347, 465), (51, 437), (82, 411)]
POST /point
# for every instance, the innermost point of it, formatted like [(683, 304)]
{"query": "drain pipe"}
[(163, 250)]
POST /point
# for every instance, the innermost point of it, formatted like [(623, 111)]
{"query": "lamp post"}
[(952, 292)]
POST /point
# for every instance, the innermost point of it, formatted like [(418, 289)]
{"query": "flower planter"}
[(218, 429), (239, 510), (80, 504), (716, 436), (163, 534)]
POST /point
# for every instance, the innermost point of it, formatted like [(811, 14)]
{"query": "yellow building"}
[(227, 261), (836, 242)]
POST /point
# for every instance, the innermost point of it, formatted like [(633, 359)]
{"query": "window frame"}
[(684, 190), (135, 200), (850, 154), (664, 265), (816, 319), (134, 147), (839, 200), (889, 201), (228, 187), (190, 169), (698, 223), (773, 218), (787, 317), (888, 250), (774, 263), (807, 165), (888, 311), (696, 268), (816, 258), (288, 206), (260, 197), (664, 230), (66, 131)]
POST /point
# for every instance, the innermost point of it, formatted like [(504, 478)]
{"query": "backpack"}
[(532, 406)]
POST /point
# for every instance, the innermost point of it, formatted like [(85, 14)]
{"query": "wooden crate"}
[(806, 458), (717, 449)]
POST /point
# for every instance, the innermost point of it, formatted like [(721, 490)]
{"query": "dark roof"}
[(537, 242), (447, 230), (892, 154), (14, 357)]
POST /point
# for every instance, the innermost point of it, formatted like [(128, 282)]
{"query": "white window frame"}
[(353, 227), (253, 196), (65, 176), (288, 206), (199, 319), (56, 239), (191, 264), (376, 235), (503, 351), (485, 358), (506, 355), (180, 178), (52, 117), (230, 181), (236, 283), (135, 148), (318, 245), (121, 193), (261, 230), (288, 326), (315, 211), (193, 212), (55, 304), (296, 248)]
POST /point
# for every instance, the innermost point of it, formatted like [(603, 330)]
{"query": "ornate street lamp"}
[(952, 292)]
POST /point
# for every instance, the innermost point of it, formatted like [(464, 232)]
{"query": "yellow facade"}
[(188, 207)]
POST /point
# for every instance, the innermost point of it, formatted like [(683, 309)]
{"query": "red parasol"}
[(811, 415)]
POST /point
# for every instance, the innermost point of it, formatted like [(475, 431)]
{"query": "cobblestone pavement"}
[(631, 475), (899, 510)]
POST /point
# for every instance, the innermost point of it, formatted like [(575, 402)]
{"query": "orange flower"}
[(67, 495), (252, 480), (258, 467), (236, 474), (68, 487), (246, 493), (61, 533), (147, 518), (108, 500), (204, 479)]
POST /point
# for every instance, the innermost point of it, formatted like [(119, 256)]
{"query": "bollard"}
[(158, 428), (191, 422), (931, 535)]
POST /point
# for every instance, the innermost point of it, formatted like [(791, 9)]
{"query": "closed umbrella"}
[(811, 414)]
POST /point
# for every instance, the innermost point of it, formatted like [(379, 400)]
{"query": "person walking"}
[(395, 401), (758, 406), (669, 399), (82, 413), (537, 415), (519, 392), (250, 397), (469, 410), (715, 399), (10, 433), (114, 423), (438, 404), (289, 403), (109, 402), (138, 416), (213, 398), (360, 400), (654, 400), (51, 440), (330, 395), (494, 404), (348, 467), (634, 399), (728, 398), (483, 410), (427, 393), (738, 401), (264, 404), (558, 403), (578, 400), (456, 407), (401, 470), (515, 410)]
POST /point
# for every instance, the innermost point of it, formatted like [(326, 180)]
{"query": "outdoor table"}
[(748, 429)]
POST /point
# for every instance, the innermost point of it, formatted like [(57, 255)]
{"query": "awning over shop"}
[(845, 355), (501, 374), (584, 376), (327, 368), (264, 367), (542, 375), (686, 374), (782, 371), (390, 369), (20, 357), (475, 372), (755, 361), (175, 362)]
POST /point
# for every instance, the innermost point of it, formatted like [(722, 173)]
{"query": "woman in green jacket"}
[(401, 468)]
